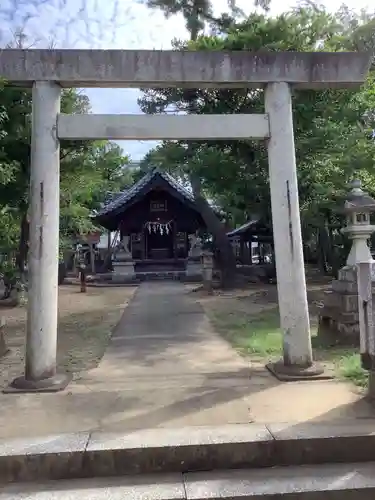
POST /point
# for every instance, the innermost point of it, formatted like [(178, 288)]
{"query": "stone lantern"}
[(358, 207), (339, 316), (122, 262)]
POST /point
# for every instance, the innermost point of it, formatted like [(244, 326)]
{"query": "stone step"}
[(129, 488), (352, 481), (160, 275), (100, 454)]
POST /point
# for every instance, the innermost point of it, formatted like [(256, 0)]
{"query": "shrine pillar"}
[(290, 269), (41, 337)]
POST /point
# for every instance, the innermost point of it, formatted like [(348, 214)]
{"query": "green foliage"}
[(9, 271), (86, 182), (88, 170), (198, 12), (349, 367), (332, 127)]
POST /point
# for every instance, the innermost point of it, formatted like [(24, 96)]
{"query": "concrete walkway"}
[(164, 336), (169, 365), (166, 368)]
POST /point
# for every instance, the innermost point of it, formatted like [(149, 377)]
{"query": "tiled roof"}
[(357, 198), (122, 199)]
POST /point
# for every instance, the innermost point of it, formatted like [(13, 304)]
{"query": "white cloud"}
[(105, 24)]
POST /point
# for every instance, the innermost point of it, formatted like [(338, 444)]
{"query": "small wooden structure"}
[(158, 214), (252, 242)]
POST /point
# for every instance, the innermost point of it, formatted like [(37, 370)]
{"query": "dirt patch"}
[(85, 324), (248, 318), (255, 298)]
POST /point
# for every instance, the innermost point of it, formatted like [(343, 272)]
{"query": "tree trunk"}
[(323, 249), (109, 242), (92, 259), (227, 259)]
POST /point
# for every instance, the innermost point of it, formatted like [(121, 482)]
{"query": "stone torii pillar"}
[(41, 338), (297, 360)]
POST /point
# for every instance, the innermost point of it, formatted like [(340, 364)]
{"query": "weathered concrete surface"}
[(290, 266), (334, 481), (164, 367), (102, 454), (44, 234), (164, 333), (48, 457), (167, 368), (160, 127), (158, 487), (153, 68)]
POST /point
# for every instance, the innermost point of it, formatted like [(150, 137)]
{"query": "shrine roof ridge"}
[(241, 229), (171, 68), (118, 203)]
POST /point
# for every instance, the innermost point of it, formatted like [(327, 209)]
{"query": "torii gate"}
[(46, 71)]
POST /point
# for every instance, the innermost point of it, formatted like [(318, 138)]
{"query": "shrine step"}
[(352, 481), (317, 482), (160, 275), (242, 446)]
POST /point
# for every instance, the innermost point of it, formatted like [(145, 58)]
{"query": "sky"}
[(111, 24)]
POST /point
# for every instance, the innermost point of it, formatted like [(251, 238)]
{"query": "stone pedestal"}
[(207, 270), (339, 318), (123, 269), (194, 267)]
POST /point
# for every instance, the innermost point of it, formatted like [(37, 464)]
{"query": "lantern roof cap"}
[(358, 200)]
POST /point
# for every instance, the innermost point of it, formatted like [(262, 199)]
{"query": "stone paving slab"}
[(49, 457), (337, 482), (161, 487), (182, 450), (352, 481), (341, 442), (134, 408)]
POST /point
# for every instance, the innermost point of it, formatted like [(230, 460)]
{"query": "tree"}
[(196, 14), (85, 186), (88, 170), (332, 127)]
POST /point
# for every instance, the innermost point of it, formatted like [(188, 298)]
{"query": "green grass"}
[(260, 336), (350, 368)]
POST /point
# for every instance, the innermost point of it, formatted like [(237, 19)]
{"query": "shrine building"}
[(158, 214)]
